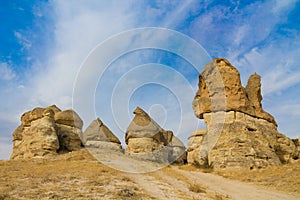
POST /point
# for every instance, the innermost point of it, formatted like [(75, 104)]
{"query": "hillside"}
[(77, 175)]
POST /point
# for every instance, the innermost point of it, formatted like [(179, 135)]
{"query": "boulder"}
[(297, 144), (40, 136), (142, 126), (177, 151), (68, 118), (69, 138), (145, 139), (195, 155), (97, 131), (98, 135), (37, 140), (147, 149), (36, 113)]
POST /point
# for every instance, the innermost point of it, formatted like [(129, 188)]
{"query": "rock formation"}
[(239, 133), (46, 131), (145, 139), (177, 152), (98, 136), (220, 89)]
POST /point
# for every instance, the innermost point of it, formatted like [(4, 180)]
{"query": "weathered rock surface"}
[(297, 144), (147, 140), (220, 89), (239, 133), (177, 151), (40, 135), (98, 135)]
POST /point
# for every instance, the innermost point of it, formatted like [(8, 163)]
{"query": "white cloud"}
[(23, 40), (79, 27), (6, 73)]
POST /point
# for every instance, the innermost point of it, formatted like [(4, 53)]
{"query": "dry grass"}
[(197, 188), (70, 176), (285, 178), (195, 169), (78, 176)]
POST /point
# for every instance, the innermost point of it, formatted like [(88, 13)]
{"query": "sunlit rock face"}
[(97, 136), (145, 139), (239, 133), (45, 132)]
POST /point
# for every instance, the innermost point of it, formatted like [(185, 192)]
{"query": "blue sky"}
[(43, 44)]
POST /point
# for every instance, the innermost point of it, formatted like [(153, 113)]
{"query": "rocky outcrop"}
[(69, 129), (196, 154), (220, 89), (97, 135), (297, 144), (43, 133), (177, 151), (239, 133), (145, 139)]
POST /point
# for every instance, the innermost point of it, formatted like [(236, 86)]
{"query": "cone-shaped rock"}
[(97, 136), (97, 131), (142, 126), (147, 140)]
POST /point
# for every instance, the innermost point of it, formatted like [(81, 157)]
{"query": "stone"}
[(142, 126), (97, 131), (220, 89), (37, 140), (244, 144), (102, 145), (69, 118), (146, 140), (239, 133), (286, 149), (147, 149), (177, 151), (40, 136), (297, 144), (98, 135), (69, 138), (194, 156), (35, 114)]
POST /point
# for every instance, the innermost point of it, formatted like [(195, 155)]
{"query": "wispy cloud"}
[(26, 44), (6, 73)]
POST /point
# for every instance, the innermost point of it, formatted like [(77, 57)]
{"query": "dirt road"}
[(174, 183)]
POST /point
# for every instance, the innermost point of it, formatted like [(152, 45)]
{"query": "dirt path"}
[(170, 182), (173, 183), (234, 189)]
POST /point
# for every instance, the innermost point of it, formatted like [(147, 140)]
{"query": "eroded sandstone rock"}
[(177, 151), (145, 139), (220, 89), (239, 133), (98, 135), (39, 135)]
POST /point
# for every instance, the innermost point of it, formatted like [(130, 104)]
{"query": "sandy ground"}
[(80, 176)]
